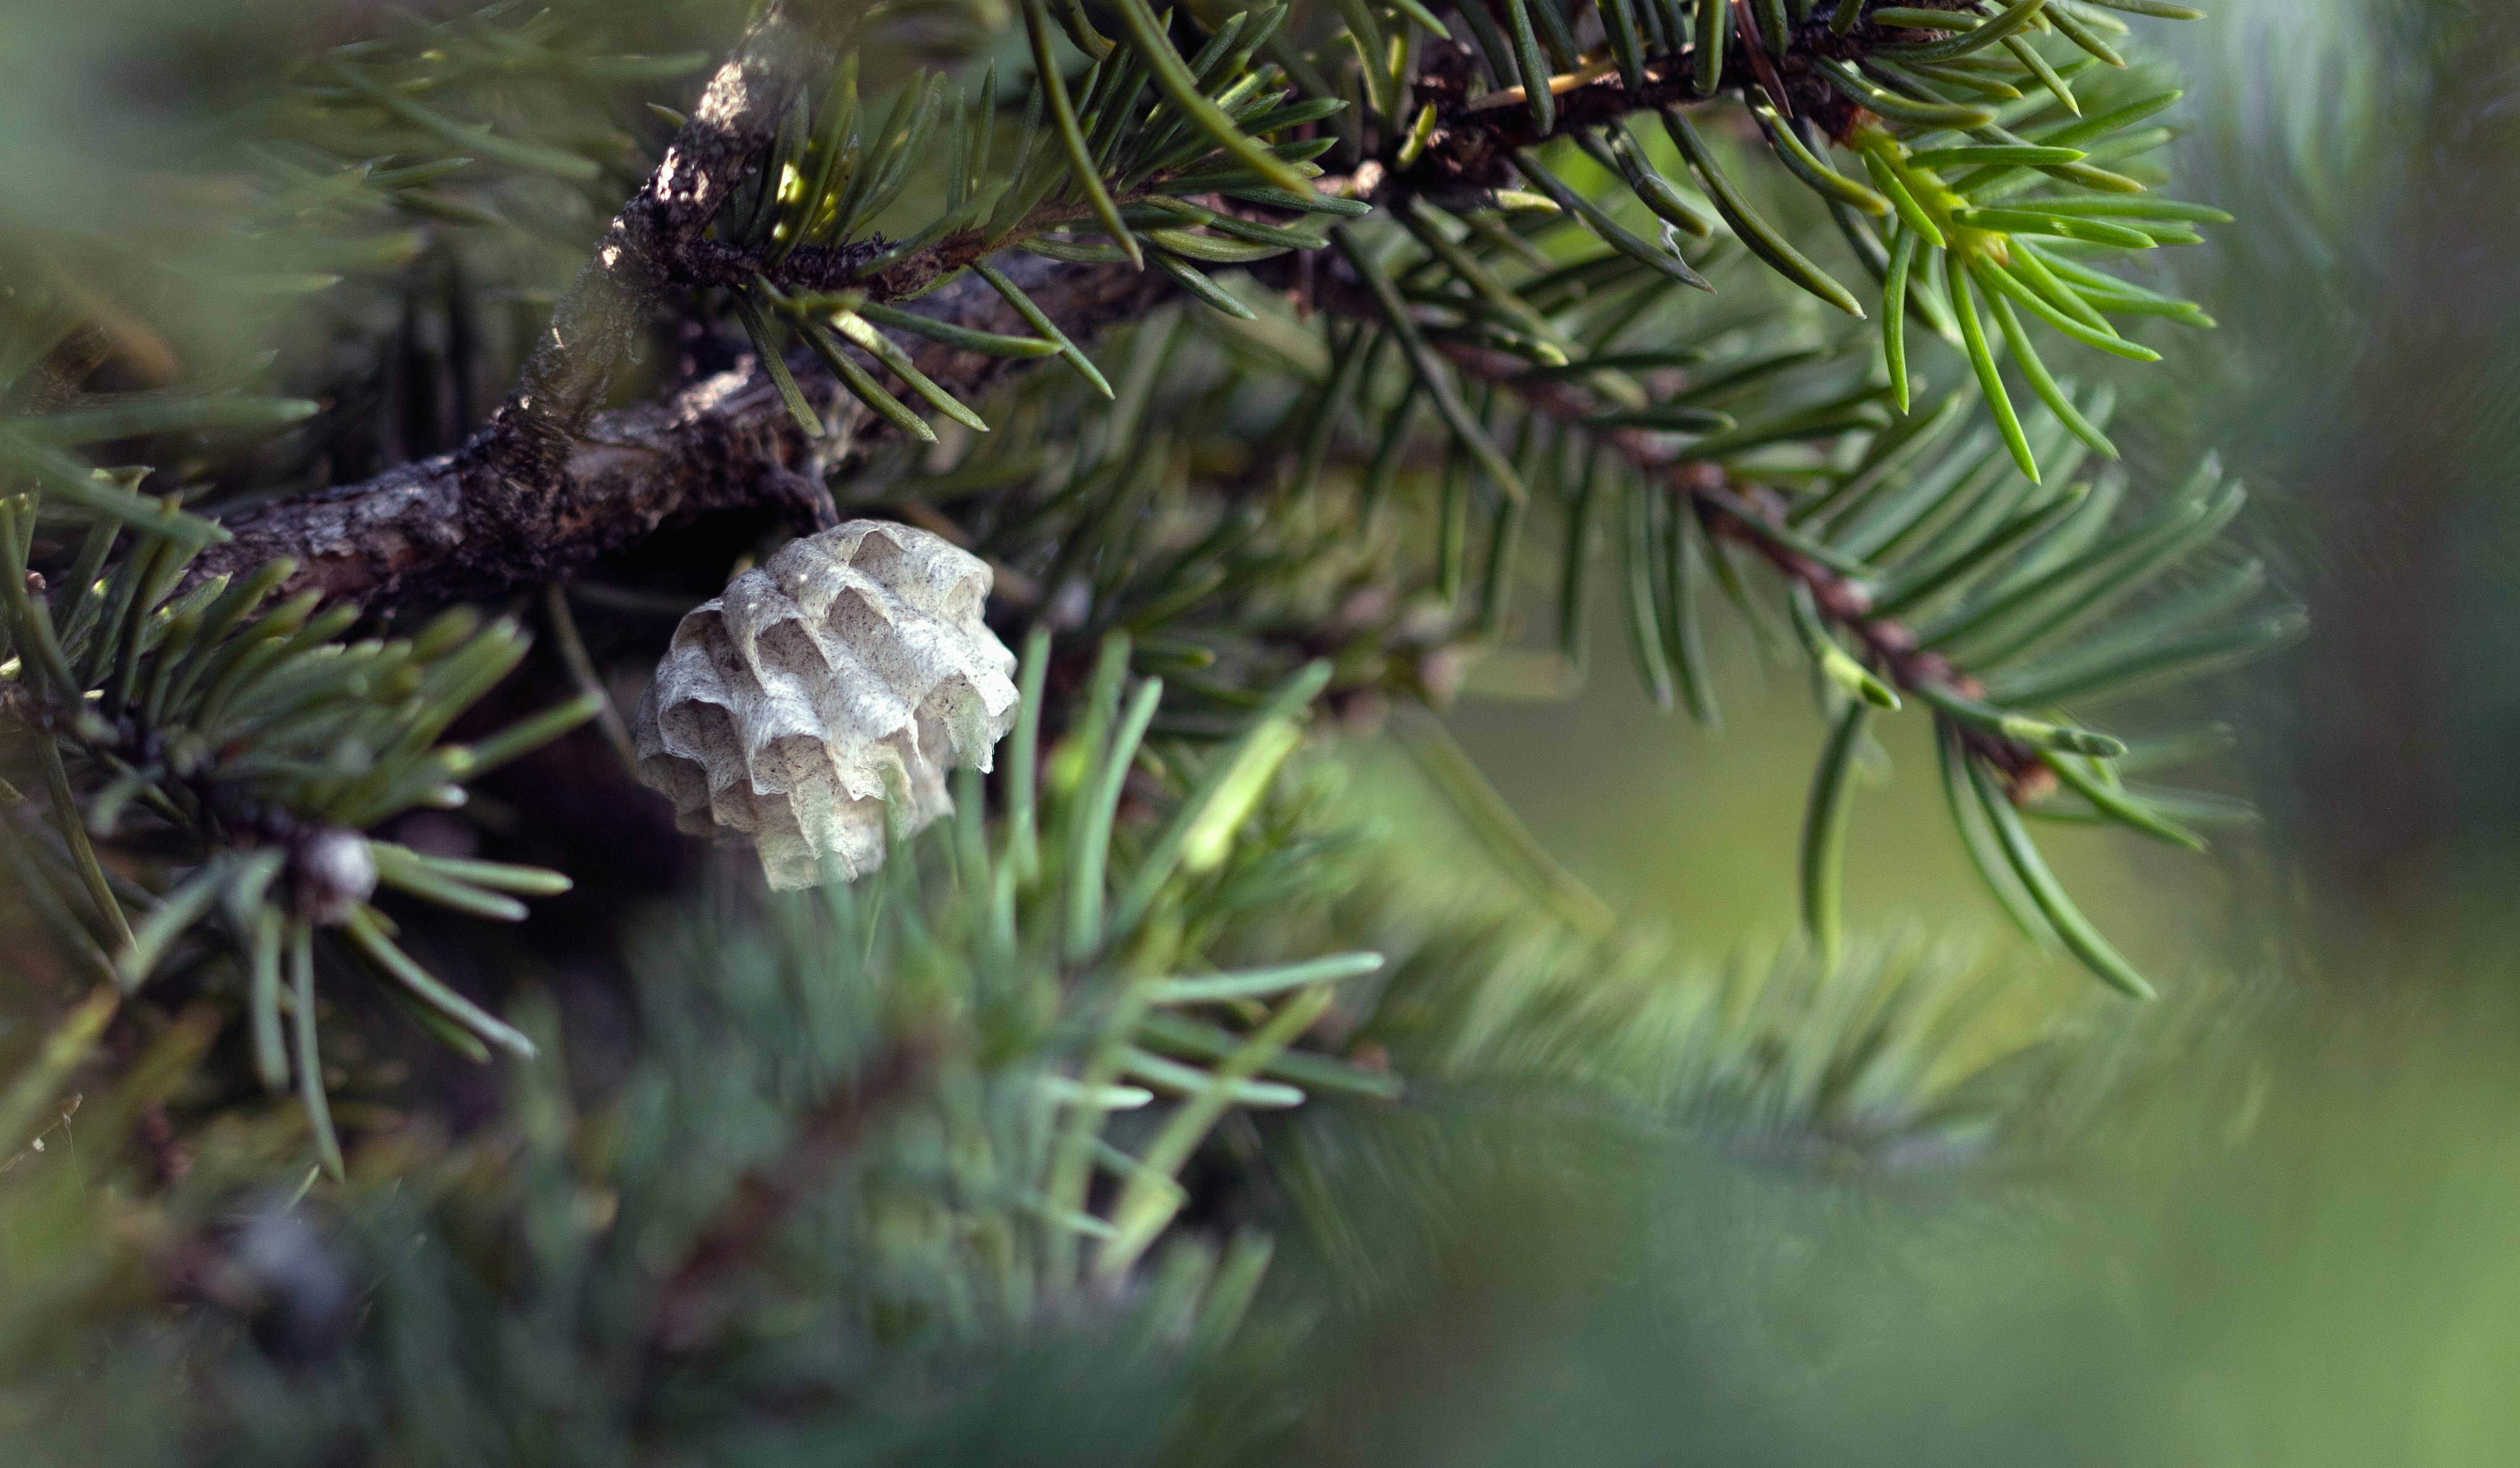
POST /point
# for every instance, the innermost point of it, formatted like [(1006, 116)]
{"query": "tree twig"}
[(582, 672), (596, 324), (690, 1306), (1749, 512), (446, 528), (550, 484)]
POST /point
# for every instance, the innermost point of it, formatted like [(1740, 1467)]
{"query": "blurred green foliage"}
[(2372, 145), (2295, 1249)]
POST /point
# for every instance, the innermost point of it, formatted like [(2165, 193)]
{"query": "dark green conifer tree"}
[(380, 387)]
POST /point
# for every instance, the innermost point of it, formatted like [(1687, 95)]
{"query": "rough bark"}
[(550, 484), (598, 323), (463, 524)]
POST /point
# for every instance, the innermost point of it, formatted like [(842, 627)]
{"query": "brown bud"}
[(2033, 785)]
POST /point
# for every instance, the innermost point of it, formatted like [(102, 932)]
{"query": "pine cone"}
[(853, 666)]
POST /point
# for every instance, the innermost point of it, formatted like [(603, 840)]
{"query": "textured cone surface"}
[(854, 665)]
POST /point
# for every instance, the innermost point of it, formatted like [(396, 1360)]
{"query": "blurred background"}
[(2290, 1244)]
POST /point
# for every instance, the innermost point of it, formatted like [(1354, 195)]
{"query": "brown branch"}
[(1472, 145), (550, 484), (458, 526), (528, 471), (1888, 645), (596, 324)]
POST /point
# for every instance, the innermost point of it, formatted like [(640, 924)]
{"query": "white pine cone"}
[(853, 662)]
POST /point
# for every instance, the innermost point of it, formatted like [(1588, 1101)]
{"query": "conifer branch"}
[(598, 323), (1974, 236), (1752, 514), (550, 484), (449, 527)]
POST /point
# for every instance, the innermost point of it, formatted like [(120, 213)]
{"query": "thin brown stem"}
[(1751, 513), (582, 673)]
